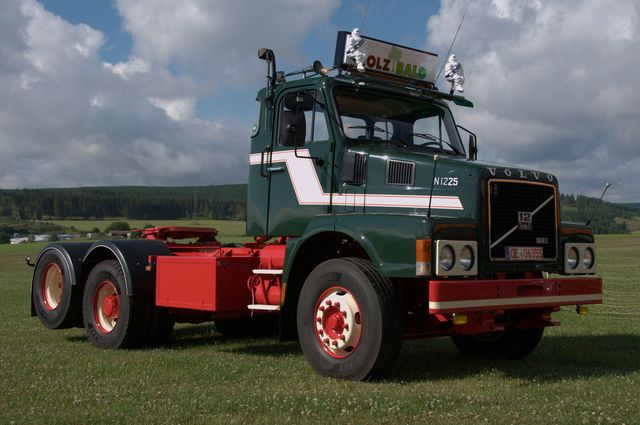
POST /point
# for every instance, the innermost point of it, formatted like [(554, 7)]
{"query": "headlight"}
[(572, 258), (579, 258), (466, 258), (456, 258), (587, 258), (447, 258)]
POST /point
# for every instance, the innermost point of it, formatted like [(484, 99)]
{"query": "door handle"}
[(275, 169), (262, 173)]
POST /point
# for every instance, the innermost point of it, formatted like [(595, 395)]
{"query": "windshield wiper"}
[(368, 127), (375, 128), (435, 141)]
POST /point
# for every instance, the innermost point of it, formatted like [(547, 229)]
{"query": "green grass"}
[(586, 371), (633, 224)]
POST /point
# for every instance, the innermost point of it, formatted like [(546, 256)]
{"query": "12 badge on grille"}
[(525, 220)]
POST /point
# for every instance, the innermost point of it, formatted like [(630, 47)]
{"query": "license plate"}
[(524, 253)]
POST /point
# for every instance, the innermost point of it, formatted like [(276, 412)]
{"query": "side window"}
[(317, 130), (255, 128), (302, 119)]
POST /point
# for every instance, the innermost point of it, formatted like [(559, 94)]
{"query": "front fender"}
[(387, 239)]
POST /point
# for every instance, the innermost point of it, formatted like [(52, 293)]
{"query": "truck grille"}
[(522, 215)]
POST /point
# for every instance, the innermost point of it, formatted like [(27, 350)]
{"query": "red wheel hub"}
[(106, 306), (110, 306), (51, 286), (338, 326), (333, 322)]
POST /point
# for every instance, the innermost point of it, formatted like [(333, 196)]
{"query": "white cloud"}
[(553, 86), (129, 68), (68, 119), (219, 40), (179, 109)]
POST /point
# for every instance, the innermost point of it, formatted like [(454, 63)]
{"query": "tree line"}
[(210, 202), (580, 209), (227, 202)]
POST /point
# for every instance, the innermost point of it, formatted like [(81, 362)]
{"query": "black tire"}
[(57, 303), (366, 348), (511, 344), (112, 319), (161, 327)]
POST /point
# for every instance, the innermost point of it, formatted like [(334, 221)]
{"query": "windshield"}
[(405, 121)]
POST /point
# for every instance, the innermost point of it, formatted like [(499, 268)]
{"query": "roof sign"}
[(355, 52)]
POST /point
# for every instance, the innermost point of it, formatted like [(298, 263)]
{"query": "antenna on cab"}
[(607, 185), (433, 180)]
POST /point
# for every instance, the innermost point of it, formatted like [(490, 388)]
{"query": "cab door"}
[(258, 188), (300, 163)]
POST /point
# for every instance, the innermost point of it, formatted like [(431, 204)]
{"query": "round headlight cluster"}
[(466, 258), (447, 258), (587, 259), (572, 258), (456, 258), (580, 258)]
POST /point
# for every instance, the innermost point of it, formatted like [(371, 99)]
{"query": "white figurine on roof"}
[(354, 49), (454, 74)]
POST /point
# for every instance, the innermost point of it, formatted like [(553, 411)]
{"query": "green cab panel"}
[(387, 239)]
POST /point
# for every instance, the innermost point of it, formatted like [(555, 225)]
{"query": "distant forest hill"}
[(606, 218), (227, 202)]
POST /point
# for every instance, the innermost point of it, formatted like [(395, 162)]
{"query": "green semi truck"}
[(373, 222)]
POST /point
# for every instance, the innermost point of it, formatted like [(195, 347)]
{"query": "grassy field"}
[(633, 224), (586, 371)]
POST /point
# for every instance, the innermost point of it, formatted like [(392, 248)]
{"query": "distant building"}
[(16, 241), (121, 233), (66, 236), (40, 238)]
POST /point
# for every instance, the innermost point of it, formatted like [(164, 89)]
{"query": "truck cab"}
[(374, 166)]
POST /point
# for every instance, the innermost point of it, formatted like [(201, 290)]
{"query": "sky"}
[(161, 92)]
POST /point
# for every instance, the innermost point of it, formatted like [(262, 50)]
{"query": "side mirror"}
[(473, 144), (473, 147), (269, 57)]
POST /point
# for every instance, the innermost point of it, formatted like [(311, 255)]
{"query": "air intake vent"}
[(354, 168), (400, 172)]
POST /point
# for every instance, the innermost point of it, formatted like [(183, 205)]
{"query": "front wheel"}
[(512, 343), (348, 320)]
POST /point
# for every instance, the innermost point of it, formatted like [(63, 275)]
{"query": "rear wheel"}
[(58, 304), (112, 319), (348, 320), (512, 343)]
